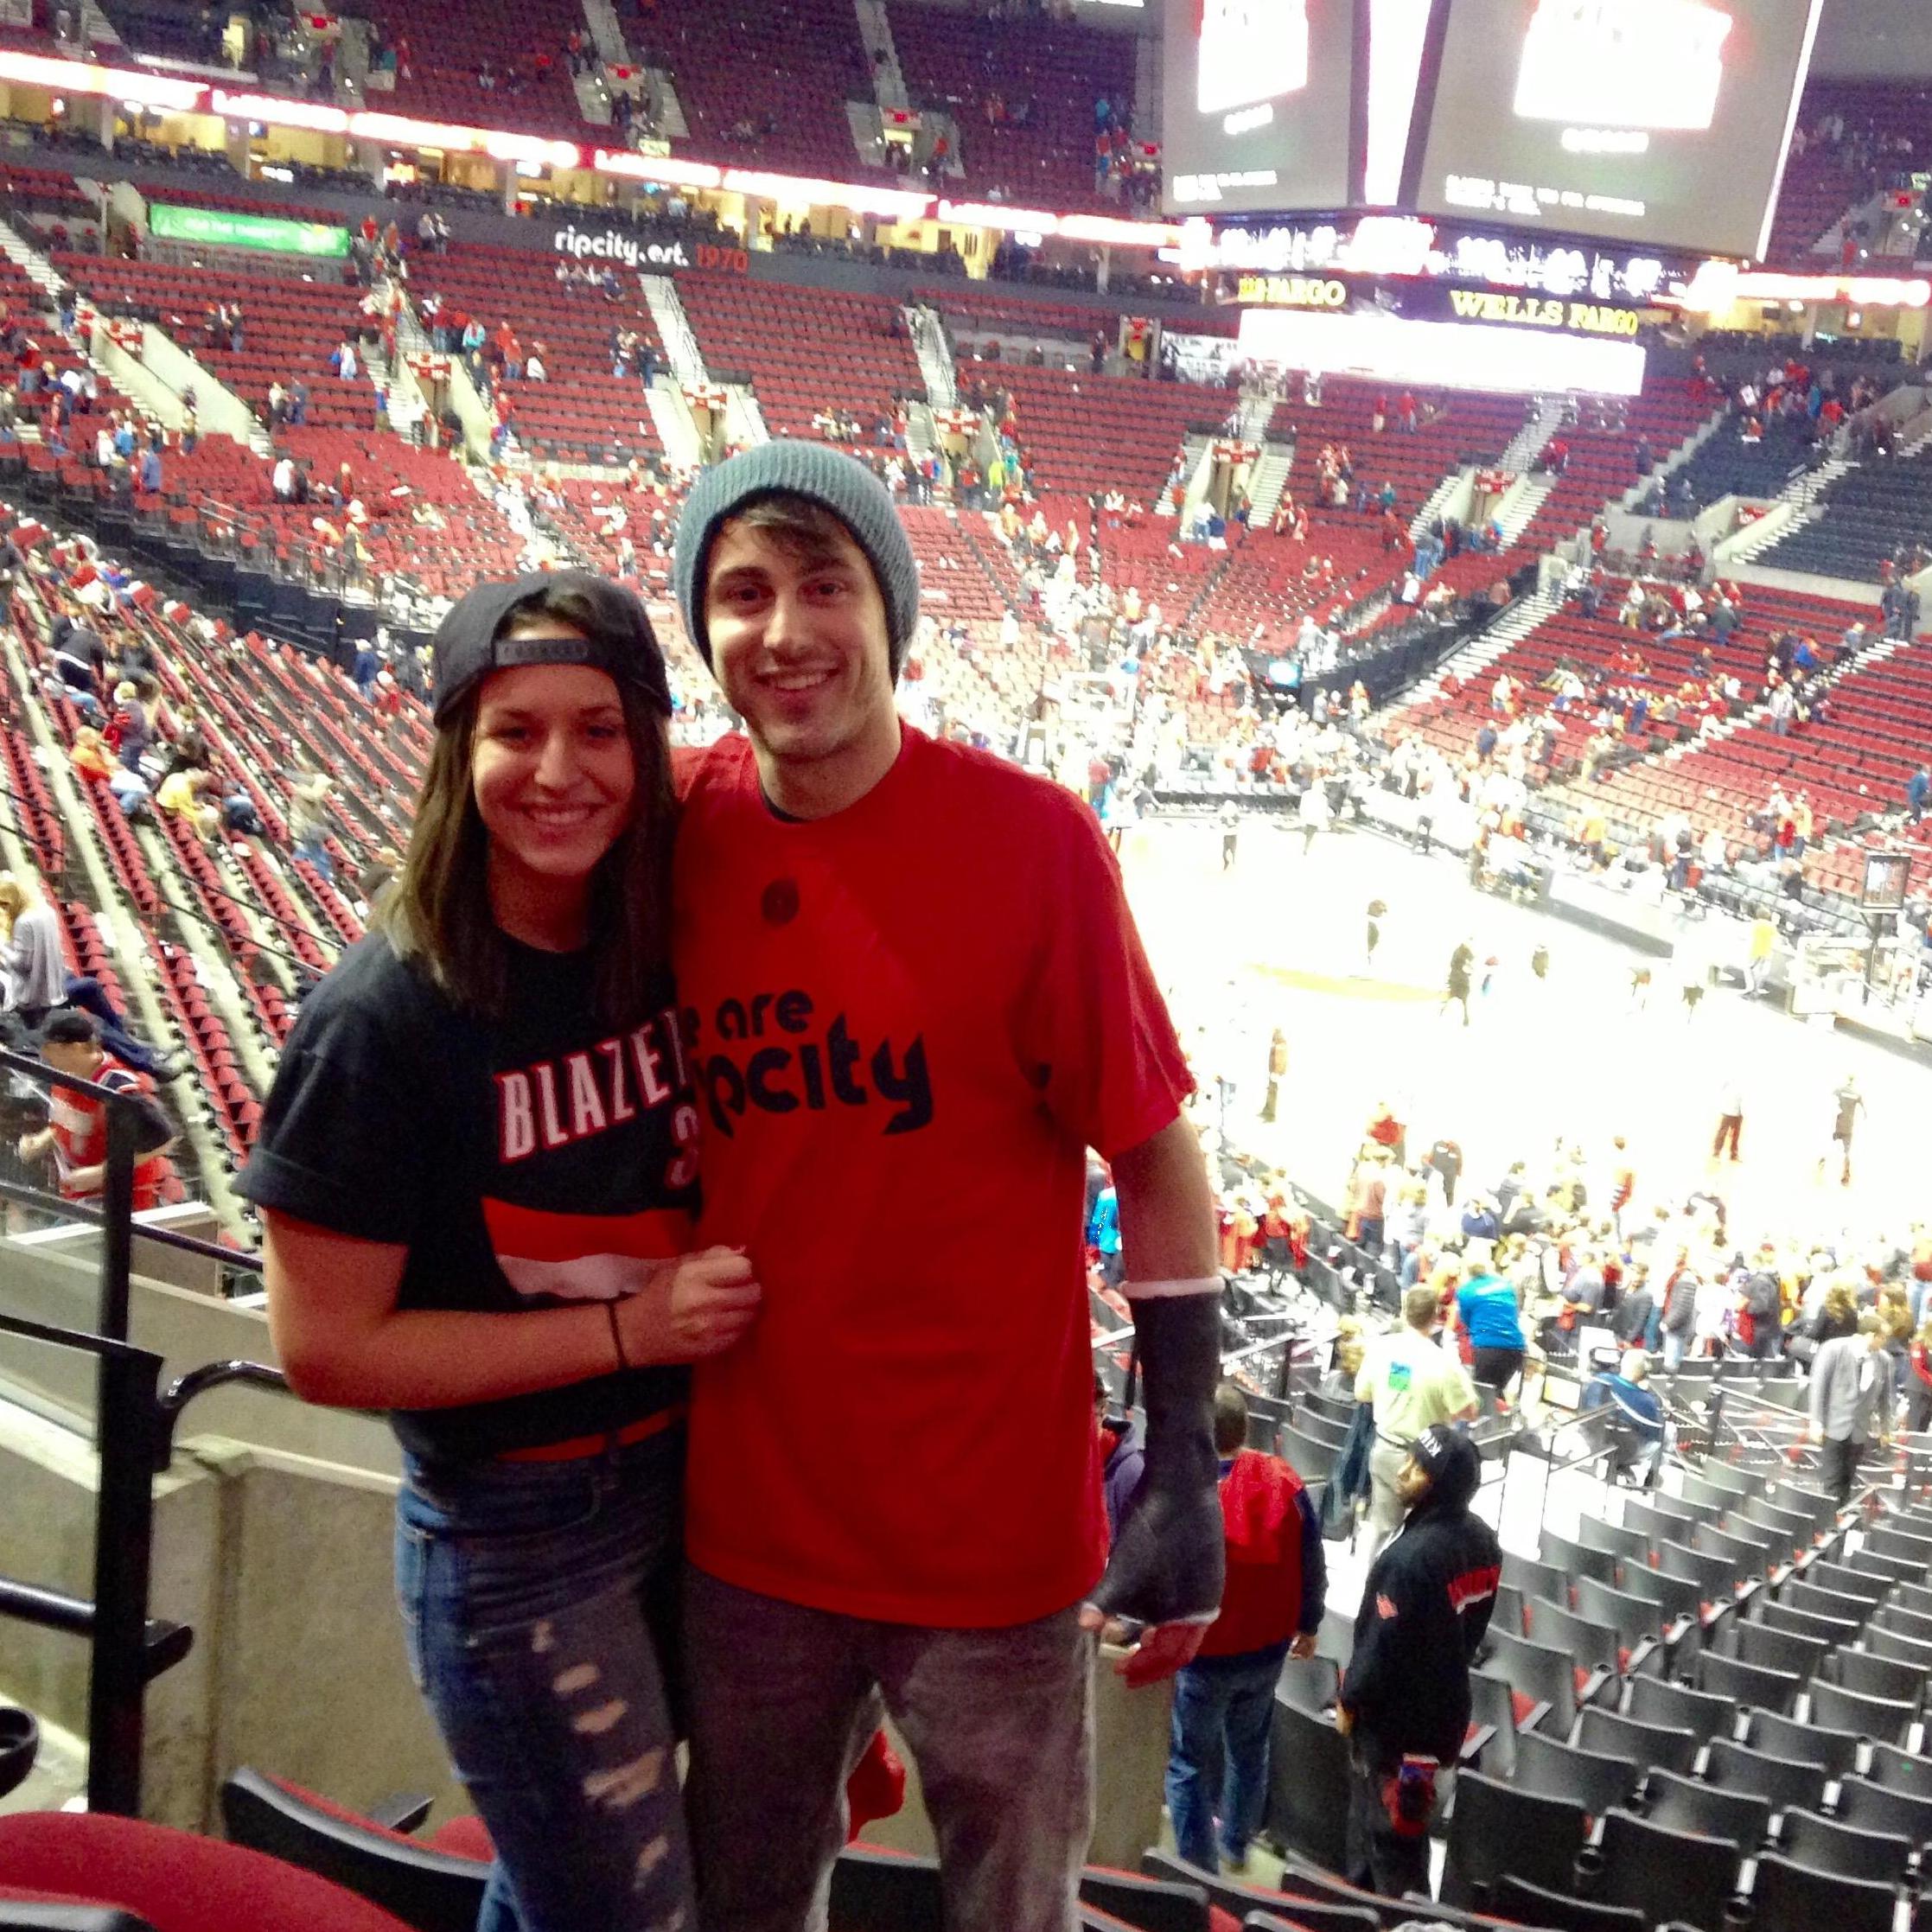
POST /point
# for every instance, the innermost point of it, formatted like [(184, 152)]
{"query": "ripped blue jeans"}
[(528, 1593)]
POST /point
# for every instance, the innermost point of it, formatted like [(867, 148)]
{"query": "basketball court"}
[(1280, 940)]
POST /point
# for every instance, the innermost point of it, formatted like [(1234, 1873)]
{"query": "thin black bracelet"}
[(617, 1335)]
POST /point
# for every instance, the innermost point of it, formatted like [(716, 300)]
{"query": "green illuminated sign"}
[(218, 228)]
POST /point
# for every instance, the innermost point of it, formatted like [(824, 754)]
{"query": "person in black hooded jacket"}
[(1406, 1697)]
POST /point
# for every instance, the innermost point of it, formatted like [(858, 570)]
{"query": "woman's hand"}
[(696, 1306)]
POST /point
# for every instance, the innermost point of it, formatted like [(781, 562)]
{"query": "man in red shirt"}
[(1271, 1608), (76, 1133), (914, 997)]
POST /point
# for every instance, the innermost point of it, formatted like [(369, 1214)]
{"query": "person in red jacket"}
[(1271, 1608)]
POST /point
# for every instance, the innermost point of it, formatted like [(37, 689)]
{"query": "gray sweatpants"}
[(784, 1700)]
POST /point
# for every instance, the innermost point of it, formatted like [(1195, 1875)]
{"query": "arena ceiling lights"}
[(315, 115), (998, 216), (1717, 285), (82, 77), (667, 168), (402, 131)]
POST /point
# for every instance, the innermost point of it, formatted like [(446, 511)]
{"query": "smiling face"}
[(552, 772), (800, 646)]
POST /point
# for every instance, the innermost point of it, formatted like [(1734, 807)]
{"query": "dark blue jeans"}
[(1224, 1707), (526, 1590)]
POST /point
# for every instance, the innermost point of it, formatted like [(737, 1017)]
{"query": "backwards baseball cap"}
[(1454, 1471), (470, 643), (820, 474)]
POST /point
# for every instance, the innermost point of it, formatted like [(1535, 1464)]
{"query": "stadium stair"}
[(1436, 502), (31, 261), (936, 357), (593, 98), (1195, 474), (403, 406), (675, 330), (889, 78), (1519, 505), (1675, 459), (1267, 479), (1468, 664), (1543, 421)]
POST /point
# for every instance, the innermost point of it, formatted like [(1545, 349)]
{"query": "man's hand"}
[(1162, 1650), (1344, 1720), (1304, 1645)]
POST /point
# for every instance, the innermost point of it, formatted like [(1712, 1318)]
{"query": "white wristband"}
[(1160, 1290)]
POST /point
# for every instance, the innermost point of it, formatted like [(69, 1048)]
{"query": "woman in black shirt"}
[(477, 1169)]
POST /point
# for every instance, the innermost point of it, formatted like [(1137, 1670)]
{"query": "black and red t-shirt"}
[(527, 1164), (908, 1023)]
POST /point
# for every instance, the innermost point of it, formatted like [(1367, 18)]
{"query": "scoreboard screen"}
[(1657, 121), (1258, 105)]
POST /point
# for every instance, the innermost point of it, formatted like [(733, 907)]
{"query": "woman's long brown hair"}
[(438, 913)]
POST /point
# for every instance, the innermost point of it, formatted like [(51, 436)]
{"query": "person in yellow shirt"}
[(1412, 1382), (1764, 941), (190, 792)]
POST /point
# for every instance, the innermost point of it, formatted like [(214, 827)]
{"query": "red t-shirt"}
[(79, 1127), (908, 1023)]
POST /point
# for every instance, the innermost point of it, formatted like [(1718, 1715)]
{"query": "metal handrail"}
[(115, 1214), (128, 1649)]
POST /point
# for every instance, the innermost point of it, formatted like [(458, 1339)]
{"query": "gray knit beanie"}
[(823, 475)]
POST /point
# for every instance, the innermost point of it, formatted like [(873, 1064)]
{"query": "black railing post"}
[(117, 1239), (124, 1547)]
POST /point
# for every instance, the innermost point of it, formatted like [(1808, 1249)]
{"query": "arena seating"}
[(1462, 428), (585, 512), (522, 46), (1091, 434), (1265, 580), (958, 61), (1604, 459), (1601, 644), (47, 205), (1727, 465), (764, 84), (412, 498), (581, 412), (290, 325), (1847, 778), (966, 308), (1831, 177), (805, 351), (1875, 509)]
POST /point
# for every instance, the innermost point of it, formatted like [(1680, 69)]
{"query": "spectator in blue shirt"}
[(1627, 1392), (1486, 1307), (1916, 787), (1103, 1233)]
